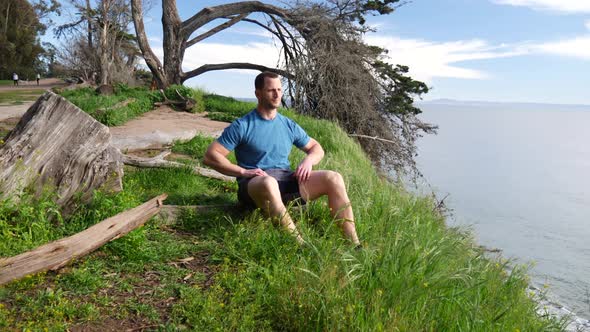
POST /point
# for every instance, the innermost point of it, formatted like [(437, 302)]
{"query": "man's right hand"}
[(250, 173)]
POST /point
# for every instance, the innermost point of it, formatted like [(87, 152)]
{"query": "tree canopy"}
[(21, 23), (98, 45)]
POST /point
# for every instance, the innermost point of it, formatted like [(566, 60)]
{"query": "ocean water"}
[(518, 175)]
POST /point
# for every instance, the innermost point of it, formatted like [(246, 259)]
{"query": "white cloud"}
[(568, 6), (253, 32), (576, 47), (156, 40), (587, 24), (440, 59)]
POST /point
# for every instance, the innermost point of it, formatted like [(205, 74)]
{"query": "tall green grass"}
[(414, 274), (222, 108)]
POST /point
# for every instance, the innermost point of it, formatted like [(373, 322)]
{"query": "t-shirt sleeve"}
[(300, 136), (231, 136)]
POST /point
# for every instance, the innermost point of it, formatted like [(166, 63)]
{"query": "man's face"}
[(270, 95)]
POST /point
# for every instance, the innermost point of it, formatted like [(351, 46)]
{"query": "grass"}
[(108, 109), (228, 270), (221, 108), (19, 96)]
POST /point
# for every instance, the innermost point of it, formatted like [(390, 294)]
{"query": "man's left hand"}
[(303, 171)]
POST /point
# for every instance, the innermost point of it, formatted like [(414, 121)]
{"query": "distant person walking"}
[(15, 78), (38, 78)]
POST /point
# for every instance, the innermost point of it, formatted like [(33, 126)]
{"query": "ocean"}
[(518, 176)]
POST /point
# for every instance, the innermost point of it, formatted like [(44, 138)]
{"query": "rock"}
[(105, 89)]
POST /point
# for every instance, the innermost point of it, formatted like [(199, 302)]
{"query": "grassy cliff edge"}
[(229, 270)]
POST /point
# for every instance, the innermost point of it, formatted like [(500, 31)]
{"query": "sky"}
[(483, 50)]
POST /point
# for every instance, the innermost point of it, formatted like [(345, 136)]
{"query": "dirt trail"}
[(44, 83), (16, 111), (161, 127)]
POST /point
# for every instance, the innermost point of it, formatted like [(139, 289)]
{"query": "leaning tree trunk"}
[(57, 144), (105, 74)]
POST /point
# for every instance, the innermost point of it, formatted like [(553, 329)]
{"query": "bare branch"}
[(209, 14), (215, 30), (233, 65)]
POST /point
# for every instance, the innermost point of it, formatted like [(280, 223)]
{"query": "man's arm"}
[(216, 158), (315, 153)]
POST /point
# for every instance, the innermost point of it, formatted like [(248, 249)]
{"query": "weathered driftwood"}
[(54, 255), (56, 143), (159, 162)]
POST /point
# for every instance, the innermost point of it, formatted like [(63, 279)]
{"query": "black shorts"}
[(288, 186)]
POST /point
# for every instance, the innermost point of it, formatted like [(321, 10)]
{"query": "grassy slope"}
[(246, 274)]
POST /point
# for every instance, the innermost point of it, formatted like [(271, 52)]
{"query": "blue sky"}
[(493, 50)]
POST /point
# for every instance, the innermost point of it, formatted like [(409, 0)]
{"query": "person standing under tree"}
[(38, 78), (14, 79), (262, 141)]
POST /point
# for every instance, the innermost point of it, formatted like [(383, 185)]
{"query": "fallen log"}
[(159, 162), (54, 255)]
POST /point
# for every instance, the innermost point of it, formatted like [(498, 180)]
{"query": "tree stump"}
[(57, 144), (105, 90)]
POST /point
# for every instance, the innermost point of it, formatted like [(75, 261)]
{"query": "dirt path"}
[(161, 127), (16, 111), (45, 83)]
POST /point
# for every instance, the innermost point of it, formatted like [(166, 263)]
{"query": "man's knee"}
[(334, 180), (265, 187)]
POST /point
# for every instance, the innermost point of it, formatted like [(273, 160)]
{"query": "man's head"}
[(268, 90)]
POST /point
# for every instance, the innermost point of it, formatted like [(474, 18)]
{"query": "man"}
[(263, 140), (14, 79), (38, 78)]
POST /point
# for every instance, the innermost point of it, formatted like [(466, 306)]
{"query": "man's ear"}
[(256, 93)]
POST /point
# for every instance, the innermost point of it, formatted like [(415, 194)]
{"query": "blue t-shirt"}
[(261, 143)]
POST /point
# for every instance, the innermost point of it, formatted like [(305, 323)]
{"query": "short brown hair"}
[(259, 81)]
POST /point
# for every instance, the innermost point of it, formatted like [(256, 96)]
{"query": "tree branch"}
[(215, 30), (375, 138), (233, 65), (159, 162), (209, 14)]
